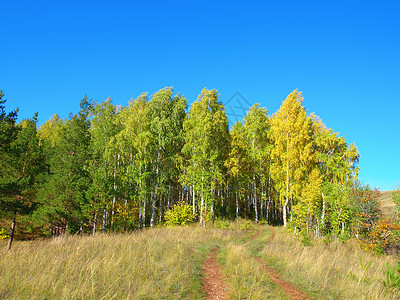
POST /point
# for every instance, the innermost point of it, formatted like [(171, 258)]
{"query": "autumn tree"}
[(166, 115), (206, 148), (291, 155), (104, 163)]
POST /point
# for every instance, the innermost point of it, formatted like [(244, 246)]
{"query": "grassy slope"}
[(387, 204), (166, 263), (160, 263), (153, 264), (335, 270)]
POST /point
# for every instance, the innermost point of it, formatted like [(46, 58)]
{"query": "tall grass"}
[(244, 276), (161, 263), (332, 271), (166, 263)]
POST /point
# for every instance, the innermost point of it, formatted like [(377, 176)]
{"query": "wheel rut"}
[(213, 282), (290, 289)]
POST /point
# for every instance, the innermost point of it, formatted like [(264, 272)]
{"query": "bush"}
[(384, 237), (180, 215), (222, 224), (246, 226), (3, 234)]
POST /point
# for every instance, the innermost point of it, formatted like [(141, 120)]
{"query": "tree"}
[(22, 161), (238, 165), (291, 155), (166, 115), (62, 197), (206, 149), (135, 142), (104, 164), (337, 163), (256, 129)]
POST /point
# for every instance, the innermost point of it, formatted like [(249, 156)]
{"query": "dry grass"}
[(330, 271), (165, 263), (159, 263), (387, 204), (244, 275)]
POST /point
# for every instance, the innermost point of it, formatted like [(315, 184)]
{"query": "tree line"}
[(115, 168)]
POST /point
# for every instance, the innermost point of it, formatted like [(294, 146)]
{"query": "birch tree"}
[(206, 149), (291, 154)]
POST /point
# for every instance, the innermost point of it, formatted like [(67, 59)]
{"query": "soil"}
[(213, 282), (293, 291)]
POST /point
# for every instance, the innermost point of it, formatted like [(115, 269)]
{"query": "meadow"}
[(166, 263)]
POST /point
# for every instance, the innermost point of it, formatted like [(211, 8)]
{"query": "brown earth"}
[(213, 282)]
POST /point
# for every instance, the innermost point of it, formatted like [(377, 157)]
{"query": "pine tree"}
[(21, 163), (63, 196)]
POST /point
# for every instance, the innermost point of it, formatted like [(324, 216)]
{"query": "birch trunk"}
[(237, 207), (12, 230), (104, 219), (94, 223)]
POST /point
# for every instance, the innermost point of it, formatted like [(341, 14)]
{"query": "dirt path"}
[(256, 235), (213, 282), (293, 291)]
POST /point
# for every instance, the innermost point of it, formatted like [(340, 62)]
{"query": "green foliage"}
[(364, 206), (3, 234), (365, 266), (305, 239), (392, 280), (328, 239), (180, 215), (222, 224), (246, 225), (118, 168)]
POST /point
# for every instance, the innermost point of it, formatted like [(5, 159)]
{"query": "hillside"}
[(244, 261), (387, 204)]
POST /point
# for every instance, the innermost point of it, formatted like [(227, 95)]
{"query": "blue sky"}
[(343, 55)]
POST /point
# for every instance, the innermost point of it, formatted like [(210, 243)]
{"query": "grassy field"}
[(334, 270), (387, 204), (166, 263)]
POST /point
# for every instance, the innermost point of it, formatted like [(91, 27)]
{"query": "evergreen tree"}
[(21, 163), (63, 196)]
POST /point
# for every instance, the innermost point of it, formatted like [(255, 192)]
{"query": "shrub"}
[(222, 224), (180, 215), (246, 226), (3, 234), (384, 237)]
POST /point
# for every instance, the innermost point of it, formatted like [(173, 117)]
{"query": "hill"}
[(248, 261), (387, 204)]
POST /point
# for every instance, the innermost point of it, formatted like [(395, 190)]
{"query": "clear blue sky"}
[(343, 55)]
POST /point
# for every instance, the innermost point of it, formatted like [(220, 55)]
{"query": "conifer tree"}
[(62, 197), (21, 163)]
